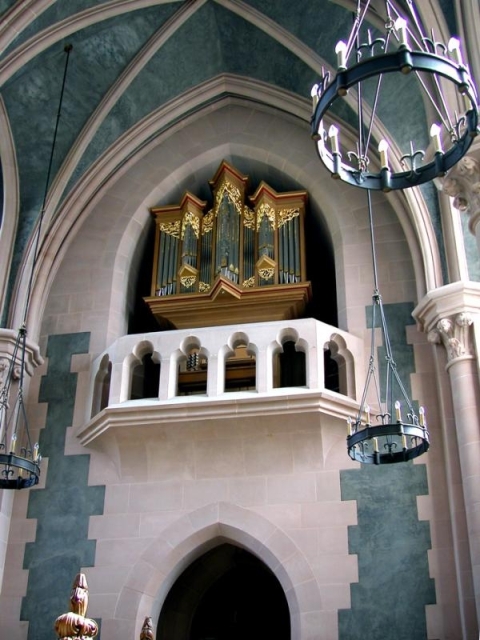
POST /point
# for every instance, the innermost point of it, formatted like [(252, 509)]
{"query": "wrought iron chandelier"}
[(19, 457), (383, 42), (386, 42), (393, 431)]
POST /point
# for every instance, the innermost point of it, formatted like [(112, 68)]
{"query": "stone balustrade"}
[(114, 372)]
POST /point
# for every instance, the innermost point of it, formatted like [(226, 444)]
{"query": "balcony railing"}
[(217, 371)]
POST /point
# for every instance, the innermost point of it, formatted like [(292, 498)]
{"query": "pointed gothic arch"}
[(181, 543), (89, 196)]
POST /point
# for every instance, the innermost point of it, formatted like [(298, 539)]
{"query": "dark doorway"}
[(226, 594)]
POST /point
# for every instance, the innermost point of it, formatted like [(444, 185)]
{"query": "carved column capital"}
[(463, 184), (454, 333), (33, 358)]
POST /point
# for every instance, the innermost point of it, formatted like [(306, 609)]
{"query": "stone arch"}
[(188, 538), (345, 364), (136, 360), (236, 340), (289, 344), (224, 591), (78, 206), (9, 218), (191, 358)]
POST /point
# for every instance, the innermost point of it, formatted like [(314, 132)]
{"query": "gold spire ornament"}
[(147, 630), (75, 624)]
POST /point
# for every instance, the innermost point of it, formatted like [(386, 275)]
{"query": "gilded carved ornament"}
[(454, 334), (232, 191), (268, 211), (207, 223), (266, 274), (190, 219), (188, 281), (285, 215), (171, 228), (203, 287), (248, 218), (75, 625), (249, 283)]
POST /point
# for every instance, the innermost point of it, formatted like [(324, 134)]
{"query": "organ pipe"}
[(247, 246)]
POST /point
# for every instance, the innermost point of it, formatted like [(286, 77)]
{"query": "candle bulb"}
[(13, 442), (435, 135), (314, 94), (333, 137), (401, 27), (454, 49), (421, 412), (398, 414), (367, 411), (375, 445), (404, 441), (383, 148), (349, 426), (341, 51), (35, 452)]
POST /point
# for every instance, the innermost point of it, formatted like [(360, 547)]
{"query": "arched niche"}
[(240, 364), (192, 368), (258, 155), (143, 372), (289, 360), (227, 592)]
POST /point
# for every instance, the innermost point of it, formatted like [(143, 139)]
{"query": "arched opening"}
[(240, 370), (290, 369), (101, 390), (226, 594), (318, 251), (339, 367), (192, 373), (332, 377), (145, 379)]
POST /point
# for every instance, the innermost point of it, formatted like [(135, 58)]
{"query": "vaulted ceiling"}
[(132, 58)]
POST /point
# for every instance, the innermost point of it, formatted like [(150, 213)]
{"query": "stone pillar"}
[(463, 185), (448, 315)]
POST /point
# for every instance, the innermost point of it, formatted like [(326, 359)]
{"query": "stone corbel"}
[(454, 333), (463, 184)]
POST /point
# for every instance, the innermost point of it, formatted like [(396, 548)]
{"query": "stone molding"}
[(444, 302), (463, 184), (447, 315)]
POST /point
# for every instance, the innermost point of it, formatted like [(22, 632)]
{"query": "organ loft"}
[(242, 260)]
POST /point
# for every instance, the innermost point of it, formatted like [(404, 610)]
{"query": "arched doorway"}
[(226, 594)]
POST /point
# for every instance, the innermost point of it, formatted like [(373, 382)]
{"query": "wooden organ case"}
[(241, 261)]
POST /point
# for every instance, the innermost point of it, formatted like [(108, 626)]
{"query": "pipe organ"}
[(242, 260)]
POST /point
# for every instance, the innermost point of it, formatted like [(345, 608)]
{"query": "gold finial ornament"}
[(74, 624), (147, 630)]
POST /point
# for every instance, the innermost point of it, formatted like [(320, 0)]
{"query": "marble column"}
[(449, 316)]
